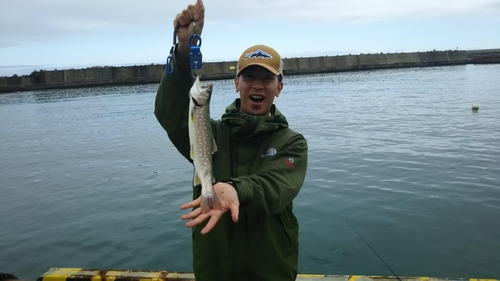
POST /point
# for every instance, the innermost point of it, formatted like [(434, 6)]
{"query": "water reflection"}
[(396, 153)]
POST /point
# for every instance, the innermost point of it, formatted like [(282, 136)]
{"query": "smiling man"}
[(259, 79), (251, 232)]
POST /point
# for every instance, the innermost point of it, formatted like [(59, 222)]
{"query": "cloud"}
[(25, 20), (36, 20), (346, 11)]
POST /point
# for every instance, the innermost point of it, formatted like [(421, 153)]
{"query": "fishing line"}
[(372, 250)]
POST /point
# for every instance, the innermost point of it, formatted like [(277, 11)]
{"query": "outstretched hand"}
[(227, 200)]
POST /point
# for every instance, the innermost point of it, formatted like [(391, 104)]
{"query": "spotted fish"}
[(202, 141)]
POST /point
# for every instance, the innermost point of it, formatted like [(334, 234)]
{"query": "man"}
[(259, 167)]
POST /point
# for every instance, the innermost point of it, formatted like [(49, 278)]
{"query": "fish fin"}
[(191, 149), (196, 179), (207, 204), (214, 145), (191, 116)]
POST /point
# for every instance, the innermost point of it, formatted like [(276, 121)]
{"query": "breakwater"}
[(110, 75)]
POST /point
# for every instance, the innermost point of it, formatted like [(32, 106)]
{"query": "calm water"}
[(89, 178)]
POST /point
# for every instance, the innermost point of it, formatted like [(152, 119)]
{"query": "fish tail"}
[(207, 203)]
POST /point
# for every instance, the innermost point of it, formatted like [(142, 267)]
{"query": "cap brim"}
[(273, 70)]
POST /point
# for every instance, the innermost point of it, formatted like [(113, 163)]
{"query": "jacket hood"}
[(246, 125)]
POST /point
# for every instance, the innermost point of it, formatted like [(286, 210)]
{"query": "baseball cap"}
[(261, 55)]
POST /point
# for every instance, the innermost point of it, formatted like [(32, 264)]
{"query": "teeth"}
[(256, 97)]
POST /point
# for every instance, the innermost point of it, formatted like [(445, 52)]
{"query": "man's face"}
[(257, 87)]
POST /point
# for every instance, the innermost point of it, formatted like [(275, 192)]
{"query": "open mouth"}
[(256, 98)]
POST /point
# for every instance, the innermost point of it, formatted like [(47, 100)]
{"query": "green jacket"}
[(267, 161)]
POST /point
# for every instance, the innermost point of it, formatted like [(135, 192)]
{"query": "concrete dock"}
[(82, 274), (126, 75)]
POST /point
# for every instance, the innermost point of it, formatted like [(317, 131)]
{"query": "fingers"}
[(199, 219), (191, 13), (235, 211), (187, 16), (193, 214), (199, 14), (211, 223), (184, 18), (193, 204)]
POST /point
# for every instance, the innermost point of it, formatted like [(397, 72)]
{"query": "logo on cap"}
[(259, 54)]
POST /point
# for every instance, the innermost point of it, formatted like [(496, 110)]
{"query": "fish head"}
[(200, 94)]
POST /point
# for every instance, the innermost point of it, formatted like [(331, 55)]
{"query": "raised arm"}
[(172, 98), (172, 106)]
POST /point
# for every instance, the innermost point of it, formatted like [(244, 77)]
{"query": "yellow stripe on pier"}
[(82, 274)]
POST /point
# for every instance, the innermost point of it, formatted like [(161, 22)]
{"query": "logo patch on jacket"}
[(269, 152), (289, 162)]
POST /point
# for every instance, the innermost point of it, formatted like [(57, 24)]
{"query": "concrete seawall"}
[(101, 76)]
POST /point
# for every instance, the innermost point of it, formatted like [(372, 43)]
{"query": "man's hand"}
[(227, 200), (186, 19)]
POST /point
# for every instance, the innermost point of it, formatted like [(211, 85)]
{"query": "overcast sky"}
[(60, 34)]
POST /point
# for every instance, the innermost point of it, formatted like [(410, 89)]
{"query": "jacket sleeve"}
[(172, 106), (277, 182)]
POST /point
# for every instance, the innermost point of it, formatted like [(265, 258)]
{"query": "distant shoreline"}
[(144, 74)]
